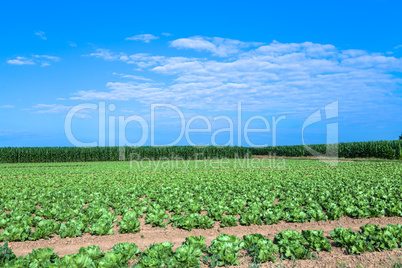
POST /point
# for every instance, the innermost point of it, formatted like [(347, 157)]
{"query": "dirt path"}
[(336, 259), (149, 235)]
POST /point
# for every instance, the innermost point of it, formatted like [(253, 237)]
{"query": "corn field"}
[(87, 154), (377, 149)]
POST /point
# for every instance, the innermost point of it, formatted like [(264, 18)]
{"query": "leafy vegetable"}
[(228, 221), (6, 254), (292, 245), (316, 240), (261, 249), (158, 255), (225, 249), (354, 242)]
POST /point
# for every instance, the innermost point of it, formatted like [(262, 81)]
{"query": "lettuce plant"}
[(225, 249), (228, 221)]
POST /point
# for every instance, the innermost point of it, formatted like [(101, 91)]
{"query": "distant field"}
[(370, 149), (70, 206)]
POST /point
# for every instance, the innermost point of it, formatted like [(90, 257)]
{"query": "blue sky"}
[(278, 58)]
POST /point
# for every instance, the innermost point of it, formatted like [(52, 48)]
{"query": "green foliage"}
[(156, 217), (292, 245), (84, 196), (88, 154), (17, 232), (251, 217), (42, 257), (225, 249), (44, 230), (316, 240), (129, 223), (355, 243), (92, 256), (111, 260), (216, 212), (77, 260), (229, 221), (394, 231), (6, 255), (334, 212), (272, 216), (74, 199), (378, 149), (126, 251), (72, 228), (102, 226), (186, 256), (158, 255), (93, 252), (381, 239), (191, 221), (261, 249), (196, 242), (204, 222)]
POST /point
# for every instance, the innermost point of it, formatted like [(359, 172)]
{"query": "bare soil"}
[(149, 235)]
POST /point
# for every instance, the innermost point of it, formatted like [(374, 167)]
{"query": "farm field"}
[(201, 213)]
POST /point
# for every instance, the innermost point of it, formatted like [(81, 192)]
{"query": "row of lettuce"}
[(22, 225), (377, 149), (223, 251), (69, 203)]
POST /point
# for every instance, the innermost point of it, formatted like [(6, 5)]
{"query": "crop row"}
[(90, 154), (224, 250), (22, 226), (69, 205), (378, 149)]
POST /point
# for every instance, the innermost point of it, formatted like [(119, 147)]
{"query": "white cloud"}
[(43, 60), (146, 38), (21, 61), (6, 106), (142, 60), (221, 47), (108, 55), (374, 61), (121, 91), (72, 44), (59, 109), (52, 58), (41, 35), (166, 34), (398, 46), (134, 77), (275, 78)]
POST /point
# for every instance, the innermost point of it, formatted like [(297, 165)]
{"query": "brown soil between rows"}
[(336, 258), (149, 235)]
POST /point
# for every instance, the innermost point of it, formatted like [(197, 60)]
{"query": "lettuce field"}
[(249, 212)]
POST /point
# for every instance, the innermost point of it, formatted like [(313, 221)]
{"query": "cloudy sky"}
[(213, 66)]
